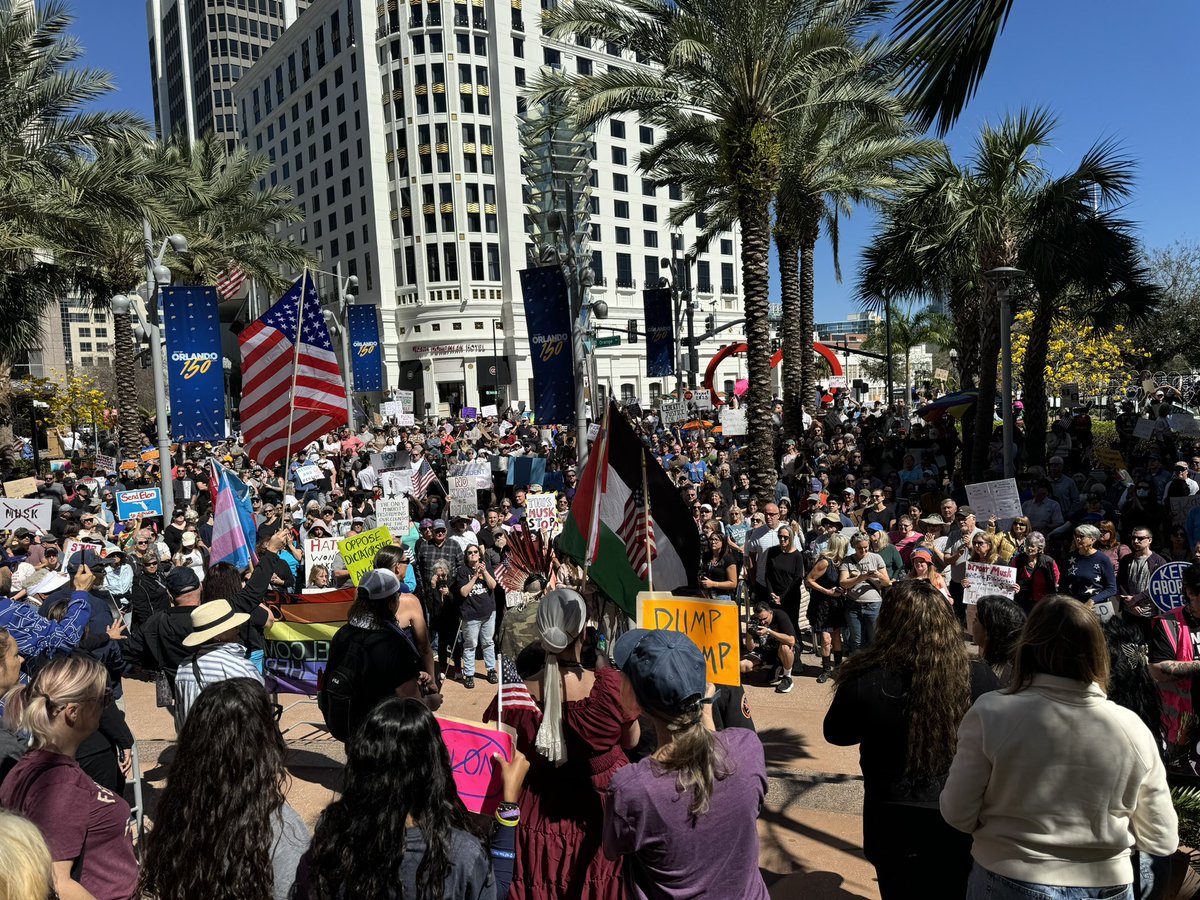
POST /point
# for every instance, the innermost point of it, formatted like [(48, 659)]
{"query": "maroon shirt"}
[(77, 818)]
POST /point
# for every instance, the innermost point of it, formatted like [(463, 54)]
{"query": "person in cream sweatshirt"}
[(1055, 783)]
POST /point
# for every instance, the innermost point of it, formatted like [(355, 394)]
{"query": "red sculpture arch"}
[(725, 352)]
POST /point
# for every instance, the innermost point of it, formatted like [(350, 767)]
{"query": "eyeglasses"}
[(141, 543), (981, 543), (1019, 525), (1141, 537)]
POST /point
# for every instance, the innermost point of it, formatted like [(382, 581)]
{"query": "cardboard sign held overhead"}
[(712, 624), (146, 501), (19, 488)]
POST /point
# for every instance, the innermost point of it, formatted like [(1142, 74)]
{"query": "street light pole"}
[(495, 370), (887, 330), (1003, 277), (345, 298)]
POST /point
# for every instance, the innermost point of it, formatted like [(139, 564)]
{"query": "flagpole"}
[(500, 696), (646, 530), (587, 545), (295, 370)]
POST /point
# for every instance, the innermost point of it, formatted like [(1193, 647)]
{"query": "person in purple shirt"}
[(685, 817)]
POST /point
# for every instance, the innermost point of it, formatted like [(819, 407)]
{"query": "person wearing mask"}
[(826, 605), (399, 827), (475, 584), (685, 817), (85, 826), (574, 733), (1054, 725), (862, 575), (901, 700), (997, 628), (255, 852), (216, 655), (1037, 572), (37, 635), (1089, 576)]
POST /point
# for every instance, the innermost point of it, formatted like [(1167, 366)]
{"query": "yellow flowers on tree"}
[(1099, 362), (71, 399)]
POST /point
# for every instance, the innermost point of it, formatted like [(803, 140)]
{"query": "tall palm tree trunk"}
[(989, 355), (128, 419), (754, 213), (8, 455), (788, 244), (808, 359), (1033, 377)]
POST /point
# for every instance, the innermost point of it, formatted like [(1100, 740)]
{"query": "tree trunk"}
[(985, 409), (1033, 377), (754, 214), (808, 358), (8, 453), (788, 244), (124, 368)]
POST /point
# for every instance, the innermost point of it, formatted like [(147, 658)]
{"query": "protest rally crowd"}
[(1018, 672)]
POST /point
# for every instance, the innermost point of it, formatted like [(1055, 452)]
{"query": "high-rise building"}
[(198, 51), (396, 126)]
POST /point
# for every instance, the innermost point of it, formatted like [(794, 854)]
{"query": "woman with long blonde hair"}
[(826, 604), (901, 700), (26, 873), (60, 709)]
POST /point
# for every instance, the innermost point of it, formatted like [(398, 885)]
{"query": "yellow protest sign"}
[(712, 624), (1109, 457), (358, 551), (20, 487)]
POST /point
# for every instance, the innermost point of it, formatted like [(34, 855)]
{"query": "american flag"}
[(230, 282), (513, 693), (269, 364), (634, 530), (423, 479)]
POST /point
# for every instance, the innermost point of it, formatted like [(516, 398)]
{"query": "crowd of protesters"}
[(634, 777)]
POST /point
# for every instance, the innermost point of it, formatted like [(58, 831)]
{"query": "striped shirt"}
[(224, 662)]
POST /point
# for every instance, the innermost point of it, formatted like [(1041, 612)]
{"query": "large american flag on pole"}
[(230, 282), (270, 362)]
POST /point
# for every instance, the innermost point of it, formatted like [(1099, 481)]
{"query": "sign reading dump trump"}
[(712, 624)]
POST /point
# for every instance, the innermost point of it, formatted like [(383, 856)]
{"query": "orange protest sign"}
[(712, 624)]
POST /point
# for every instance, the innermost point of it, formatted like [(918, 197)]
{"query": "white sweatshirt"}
[(1057, 785)]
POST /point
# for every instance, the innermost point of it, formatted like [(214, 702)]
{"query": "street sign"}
[(612, 340)]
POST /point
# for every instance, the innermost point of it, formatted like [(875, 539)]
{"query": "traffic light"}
[(710, 323), (631, 333)]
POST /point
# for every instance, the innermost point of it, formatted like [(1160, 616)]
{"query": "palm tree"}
[(911, 328), (949, 224), (727, 75)]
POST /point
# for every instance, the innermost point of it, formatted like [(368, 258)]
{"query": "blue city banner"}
[(660, 333), (366, 352), (194, 366), (548, 320)]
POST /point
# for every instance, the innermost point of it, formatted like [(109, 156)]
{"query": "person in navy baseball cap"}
[(665, 668)]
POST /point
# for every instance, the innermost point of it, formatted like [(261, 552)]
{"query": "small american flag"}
[(423, 478), (230, 282), (270, 366), (634, 530), (513, 693)]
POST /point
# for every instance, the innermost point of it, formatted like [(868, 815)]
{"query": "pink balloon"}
[(741, 386)]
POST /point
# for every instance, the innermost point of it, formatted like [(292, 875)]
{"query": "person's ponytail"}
[(32, 707), (696, 758)]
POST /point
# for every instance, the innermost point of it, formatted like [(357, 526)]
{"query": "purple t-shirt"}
[(672, 857), (76, 817)]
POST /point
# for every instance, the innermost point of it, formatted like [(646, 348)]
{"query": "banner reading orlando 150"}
[(660, 333), (364, 347), (548, 318), (195, 375)]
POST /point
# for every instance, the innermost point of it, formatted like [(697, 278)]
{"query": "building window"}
[(726, 247), (625, 270), (649, 212), (477, 262), (620, 182), (621, 209), (618, 156), (646, 134), (650, 238), (622, 235), (616, 128)]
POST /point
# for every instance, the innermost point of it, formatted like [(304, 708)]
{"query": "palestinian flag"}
[(606, 529)]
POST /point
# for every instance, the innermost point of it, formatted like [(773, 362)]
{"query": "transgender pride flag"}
[(234, 532)]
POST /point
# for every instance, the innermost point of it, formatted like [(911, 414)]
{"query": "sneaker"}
[(469, 683), (493, 678), (825, 675), (785, 685), (776, 674)]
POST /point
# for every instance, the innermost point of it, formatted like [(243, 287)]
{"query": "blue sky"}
[(1105, 72)]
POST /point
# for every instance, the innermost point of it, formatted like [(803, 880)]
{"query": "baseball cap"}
[(814, 498), (666, 669), (965, 511), (380, 583), (189, 539), (439, 524), (182, 580), (922, 551), (849, 491), (874, 526), (88, 556)]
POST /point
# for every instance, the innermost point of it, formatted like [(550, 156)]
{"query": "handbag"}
[(164, 691)]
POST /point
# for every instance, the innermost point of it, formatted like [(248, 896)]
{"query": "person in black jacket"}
[(905, 718), (149, 594), (158, 645)]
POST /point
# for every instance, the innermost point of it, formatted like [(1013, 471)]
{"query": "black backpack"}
[(336, 693)]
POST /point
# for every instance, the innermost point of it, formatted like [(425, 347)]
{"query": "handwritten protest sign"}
[(1109, 457), (480, 468), (393, 515), (471, 746), (672, 412), (358, 551), (994, 498), (1166, 586), (147, 501), (469, 412), (406, 420), (405, 399), (703, 399), (31, 514), (105, 463), (489, 411), (733, 422), (712, 624), (540, 511), (20, 487), (984, 579), (319, 553), (593, 431), (308, 474), (463, 499)]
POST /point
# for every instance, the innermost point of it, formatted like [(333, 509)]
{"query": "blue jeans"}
[(472, 631), (985, 885), (861, 619)]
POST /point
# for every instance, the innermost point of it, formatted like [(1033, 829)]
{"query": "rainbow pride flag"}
[(297, 645)]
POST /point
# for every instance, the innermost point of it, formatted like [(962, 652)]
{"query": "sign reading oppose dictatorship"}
[(358, 551), (471, 746), (31, 514), (712, 624), (146, 501)]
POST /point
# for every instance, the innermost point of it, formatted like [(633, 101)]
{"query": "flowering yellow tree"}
[(1099, 362), (67, 400)]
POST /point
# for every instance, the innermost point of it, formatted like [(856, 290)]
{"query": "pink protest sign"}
[(471, 746)]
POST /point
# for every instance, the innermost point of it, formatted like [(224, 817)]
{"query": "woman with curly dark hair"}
[(222, 830), (902, 699), (399, 828)]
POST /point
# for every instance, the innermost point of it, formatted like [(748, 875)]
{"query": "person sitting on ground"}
[(722, 776), (399, 827), (85, 826), (257, 849), (770, 645), (216, 655)]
